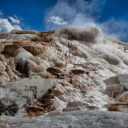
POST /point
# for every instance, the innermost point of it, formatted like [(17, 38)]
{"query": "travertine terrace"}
[(68, 69)]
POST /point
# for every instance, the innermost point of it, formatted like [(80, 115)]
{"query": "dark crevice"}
[(22, 66), (9, 110)]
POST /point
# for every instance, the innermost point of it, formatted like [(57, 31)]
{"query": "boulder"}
[(112, 80), (117, 87), (23, 32), (32, 88), (34, 49), (123, 78), (124, 97), (118, 106), (11, 50)]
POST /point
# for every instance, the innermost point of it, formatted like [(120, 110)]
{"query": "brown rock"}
[(115, 93), (113, 108), (112, 80), (77, 71), (23, 32), (34, 108), (119, 106), (59, 63), (54, 71), (123, 97), (112, 90), (43, 38), (10, 49), (58, 92), (34, 50), (4, 35)]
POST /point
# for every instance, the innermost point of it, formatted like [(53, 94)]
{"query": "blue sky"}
[(41, 15), (30, 12)]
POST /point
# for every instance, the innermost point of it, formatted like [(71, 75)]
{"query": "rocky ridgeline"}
[(69, 69)]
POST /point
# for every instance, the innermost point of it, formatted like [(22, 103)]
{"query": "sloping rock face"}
[(69, 69), (75, 119)]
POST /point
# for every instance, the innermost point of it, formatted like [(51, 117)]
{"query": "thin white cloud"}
[(7, 26), (115, 28), (17, 27), (82, 20), (14, 20), (77, 12), (57, 20), (85, 13)]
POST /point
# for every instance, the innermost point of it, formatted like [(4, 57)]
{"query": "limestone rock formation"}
[(37, 85), (69, 69), (117, 88)]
